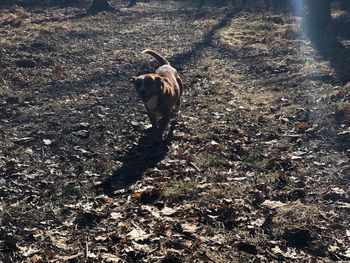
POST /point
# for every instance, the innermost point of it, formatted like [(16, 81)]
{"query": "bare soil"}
[(255, 168)]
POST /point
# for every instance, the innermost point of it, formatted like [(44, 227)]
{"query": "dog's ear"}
[(133, 79), (159, 80)]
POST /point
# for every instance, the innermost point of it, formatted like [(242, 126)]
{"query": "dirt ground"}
[(255, 168)]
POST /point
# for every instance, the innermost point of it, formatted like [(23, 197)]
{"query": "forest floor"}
[(255, 168)]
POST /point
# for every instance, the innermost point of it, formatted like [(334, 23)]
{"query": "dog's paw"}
[(177, 107)]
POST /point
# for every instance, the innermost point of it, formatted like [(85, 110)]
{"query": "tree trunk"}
[(316, 18), (279, 5), (344, 25), (132, 3), (345, 5), (69, 3), (97, 6)]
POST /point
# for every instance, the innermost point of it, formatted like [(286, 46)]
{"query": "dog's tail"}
[(158, 57)]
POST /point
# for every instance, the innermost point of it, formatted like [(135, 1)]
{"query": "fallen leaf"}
[(101, 238), (347, 253), (301, 126), (110, 257), (116, 215), (28, 251), (277, 250), (190, 228), (35, 258), (214, 142), (272, 204), (67, 258), (59, 242), (168, 211), (140, 247), (138, 234), (152, 210), (47, 141), (58, 70)]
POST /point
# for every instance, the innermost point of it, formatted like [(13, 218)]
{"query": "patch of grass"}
[(5, 91), (72, 189), (225, 191), (297, 216), (182, 190), (263, 178), (256, 237), (99, 166), (262, 26), (212, 160), (255, 159)]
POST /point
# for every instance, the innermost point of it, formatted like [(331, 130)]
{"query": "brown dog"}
[(160, 92)]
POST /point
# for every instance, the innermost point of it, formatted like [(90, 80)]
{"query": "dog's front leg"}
[(153, 118), (164, 122), (178, 106)]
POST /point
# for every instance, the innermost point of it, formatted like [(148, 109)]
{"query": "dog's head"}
[(147, 85)]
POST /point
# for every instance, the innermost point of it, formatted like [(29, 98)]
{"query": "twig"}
[(86, 248), (195, 167)]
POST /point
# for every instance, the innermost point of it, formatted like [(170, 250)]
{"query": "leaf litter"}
[(256, 169)]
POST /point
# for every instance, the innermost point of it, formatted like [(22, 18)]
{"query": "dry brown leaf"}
[(136, 196), (59, 242), (35, 258), (58, 70), (301, 126)]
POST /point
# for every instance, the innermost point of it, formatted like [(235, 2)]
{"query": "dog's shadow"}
[(146, 154)]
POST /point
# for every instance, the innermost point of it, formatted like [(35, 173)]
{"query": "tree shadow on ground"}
[(76, 16), (133, 14), (59, 89), (194, 53), (146, 154), (60, 19)]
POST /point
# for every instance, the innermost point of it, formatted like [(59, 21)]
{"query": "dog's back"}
[(166, 70)]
